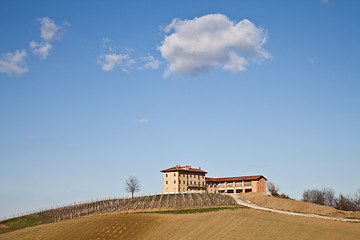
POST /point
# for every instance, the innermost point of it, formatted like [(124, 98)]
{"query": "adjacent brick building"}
[(188, 179), (237, 184)]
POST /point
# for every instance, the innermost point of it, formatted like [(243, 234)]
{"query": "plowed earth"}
[(226, 224)]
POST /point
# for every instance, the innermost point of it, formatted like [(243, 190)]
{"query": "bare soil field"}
[(291, 205), (242, 223)]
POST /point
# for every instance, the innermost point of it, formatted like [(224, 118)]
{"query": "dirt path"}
[(251, 205)]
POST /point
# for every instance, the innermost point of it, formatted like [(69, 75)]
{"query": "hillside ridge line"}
[(254, 206)]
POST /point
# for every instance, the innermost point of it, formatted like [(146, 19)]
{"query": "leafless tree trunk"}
[(132, 185)]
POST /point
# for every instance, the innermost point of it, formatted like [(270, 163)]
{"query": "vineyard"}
[(160, 201)]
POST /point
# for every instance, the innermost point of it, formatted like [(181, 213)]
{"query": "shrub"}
[(273, 189)]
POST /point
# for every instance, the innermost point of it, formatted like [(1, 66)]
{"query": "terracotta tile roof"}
[(183, 169), (234, 179)]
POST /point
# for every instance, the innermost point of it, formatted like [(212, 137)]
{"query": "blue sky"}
[(92, 92)]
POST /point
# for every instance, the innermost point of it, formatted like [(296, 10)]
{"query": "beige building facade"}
[(184, 179), (188, 179)]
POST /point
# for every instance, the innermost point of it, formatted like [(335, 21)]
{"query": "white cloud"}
[(150, 63), (49, 30), (66, 23), (14, 63), (106, 40), (111, 58), (41, 49), (211, 41), (110, 61), (142, 121)]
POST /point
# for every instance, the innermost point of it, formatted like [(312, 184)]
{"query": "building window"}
[(199, 184), (202, 183), (190, 182), (229, 184), (238, 184), (166, 182), (247, 183), (174, 174), (174, 181), (184, 181), (198, 177), (221, 185), (187, 182), (166, 175)]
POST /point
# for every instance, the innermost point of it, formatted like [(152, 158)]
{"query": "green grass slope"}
[(23, 222)]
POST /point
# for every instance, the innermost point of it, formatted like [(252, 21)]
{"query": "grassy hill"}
[(13, 224), (144, 203), (182, 217), (296, 206), (240, 223)]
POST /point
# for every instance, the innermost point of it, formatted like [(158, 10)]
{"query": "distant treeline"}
[(327, 197)]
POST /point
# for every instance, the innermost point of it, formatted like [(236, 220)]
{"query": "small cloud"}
[(14, 63), (105, 44), (66, 23), (150, 63), (142, 121), (110, 61), (41, 49), (130, 50), (49, 30), (106, 40), (211, 41), (111, 58), (127, 59), (312, 61)]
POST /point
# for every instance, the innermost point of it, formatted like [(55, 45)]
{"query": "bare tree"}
[(273, 189), (132, 185), (357, 199), (329, 196), (314, 196), (345, 203)]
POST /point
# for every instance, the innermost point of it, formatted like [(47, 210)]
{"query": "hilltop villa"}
[(187, 179)]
